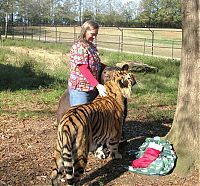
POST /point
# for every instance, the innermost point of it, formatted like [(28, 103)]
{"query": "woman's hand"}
[(102, 90)]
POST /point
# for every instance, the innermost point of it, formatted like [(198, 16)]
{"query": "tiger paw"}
[(115, 155), (100, 153)]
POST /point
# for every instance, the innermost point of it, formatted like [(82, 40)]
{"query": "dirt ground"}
[(26, 148)]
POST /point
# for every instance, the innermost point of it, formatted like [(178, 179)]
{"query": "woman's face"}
[(90, 35)]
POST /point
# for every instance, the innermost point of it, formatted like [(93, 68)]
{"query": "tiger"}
[(85, 127), (105, 75)]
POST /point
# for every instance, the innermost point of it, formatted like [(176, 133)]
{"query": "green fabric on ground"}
[(163, 164)]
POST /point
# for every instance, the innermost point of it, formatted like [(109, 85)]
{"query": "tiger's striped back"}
[(87, 126)]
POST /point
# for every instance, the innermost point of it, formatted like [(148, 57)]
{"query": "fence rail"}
[(120, 43)]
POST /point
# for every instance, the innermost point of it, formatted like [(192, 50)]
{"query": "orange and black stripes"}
[(88, 125)]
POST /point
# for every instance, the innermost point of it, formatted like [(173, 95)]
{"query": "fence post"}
[(119, 43), (122, 41), (23, 32), (32, 34), (40, 33), (144, 46), (152, 44), (45, 35), (13, 32), (56, 34), (152, 40), (59, 37), (172, 50)]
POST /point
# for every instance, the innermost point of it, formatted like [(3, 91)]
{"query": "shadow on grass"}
[(135, 132), (17, 78)]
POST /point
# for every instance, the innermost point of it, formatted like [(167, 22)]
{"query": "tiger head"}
[(124, 78)]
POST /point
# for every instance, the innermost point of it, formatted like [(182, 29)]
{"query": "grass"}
[(23, 71), (156, 93), (36, 44), (28, 88)]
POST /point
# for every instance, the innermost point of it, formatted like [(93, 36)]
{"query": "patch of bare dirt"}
[(26, 148)]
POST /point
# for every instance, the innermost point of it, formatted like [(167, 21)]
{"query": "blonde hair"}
[(88, 25)]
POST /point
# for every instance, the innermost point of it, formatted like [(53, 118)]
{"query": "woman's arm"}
[(88, 75), (90, 78)]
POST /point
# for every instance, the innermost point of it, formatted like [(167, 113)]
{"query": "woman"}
[(85, 67)]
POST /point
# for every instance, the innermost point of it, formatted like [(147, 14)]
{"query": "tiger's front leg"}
[(99, 153), (113, 143), (113, 148)]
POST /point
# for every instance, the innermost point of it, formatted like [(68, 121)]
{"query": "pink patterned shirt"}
[(81, 54)]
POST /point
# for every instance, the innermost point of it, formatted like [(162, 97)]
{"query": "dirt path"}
[(27, 146)]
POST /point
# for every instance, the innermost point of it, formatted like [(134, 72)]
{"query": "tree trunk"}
[(6, 20), (184, 134)]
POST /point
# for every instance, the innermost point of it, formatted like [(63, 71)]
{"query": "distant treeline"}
[(148, 13)]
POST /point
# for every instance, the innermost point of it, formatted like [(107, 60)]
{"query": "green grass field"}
[(34, 74)]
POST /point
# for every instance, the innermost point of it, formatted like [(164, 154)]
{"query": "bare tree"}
[(5, 6), (184, 134)]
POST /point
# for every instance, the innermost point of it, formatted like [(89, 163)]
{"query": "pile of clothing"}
[(154, 157)]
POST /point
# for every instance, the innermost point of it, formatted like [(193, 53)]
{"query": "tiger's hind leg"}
[(62, 167), (79, 165), (68, 165), (57, 169)]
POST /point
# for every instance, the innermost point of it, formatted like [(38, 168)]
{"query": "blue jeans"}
[(77, 97)]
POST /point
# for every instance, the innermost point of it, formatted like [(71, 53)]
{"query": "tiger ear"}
[(125, 67), (105, 76)]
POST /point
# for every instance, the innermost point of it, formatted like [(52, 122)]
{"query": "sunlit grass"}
[(36, 44), (29, 88)]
